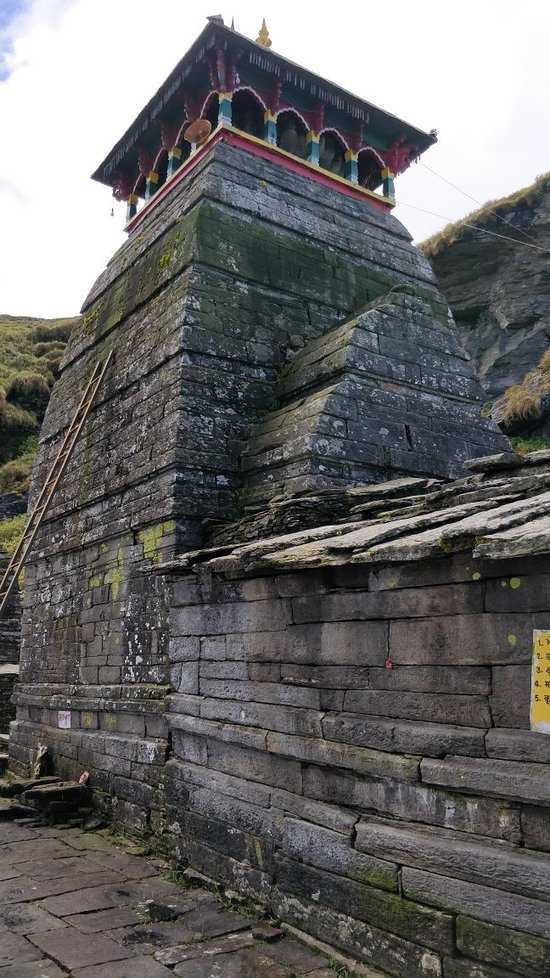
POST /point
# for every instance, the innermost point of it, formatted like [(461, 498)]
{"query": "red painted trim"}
[(264, 151)]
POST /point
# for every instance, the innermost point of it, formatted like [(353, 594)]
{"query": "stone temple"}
[(314, 734)]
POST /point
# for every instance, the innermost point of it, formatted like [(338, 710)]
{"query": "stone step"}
[(60, 796), (16, 786)]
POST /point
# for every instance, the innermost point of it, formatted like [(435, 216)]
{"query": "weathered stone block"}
[(184, 648), (511, 711), (375, 906), (503, 947), (462, 968), (432, 739), (245, 879), (224, 784), (496, 906), (465, 639), (261, 692), (227, 839), (252, 819), (518, 745), (518, 593), (189, 747), (451, 854), (229, 733), (415, 602), (344, 643), (430, 805), (362, 760), (363, 942), (325, 849), (285, 719), (468, 711), (535, 825), (256, 766), (330, 816), (507, 779), (235, 617)]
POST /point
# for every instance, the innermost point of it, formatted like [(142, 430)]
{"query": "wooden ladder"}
[(54, 475)]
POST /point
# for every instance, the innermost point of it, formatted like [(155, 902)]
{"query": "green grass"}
[(27, 345), (485, 215), (525, 445), (341, 971), (10, 531), (30, 354), (522, 403)]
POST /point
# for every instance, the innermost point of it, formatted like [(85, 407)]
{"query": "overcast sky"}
[(74, 73)]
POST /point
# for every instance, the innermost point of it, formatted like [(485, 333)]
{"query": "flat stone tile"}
[(27, 918), (91, 898), (296, 955), (45, 968), (10, 832), (23, 889), (102, 920), (17, 852), (142, 967), (124, 895), (250, 963), (59, 868), (198, 925), (221, 945), (131, 867), (87, 841), (73, 949), (318, 973), (8, 873), (14, 948)]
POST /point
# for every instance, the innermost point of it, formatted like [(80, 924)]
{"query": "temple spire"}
[(263, 37)]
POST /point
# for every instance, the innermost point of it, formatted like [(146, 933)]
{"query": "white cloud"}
[(82, 69)]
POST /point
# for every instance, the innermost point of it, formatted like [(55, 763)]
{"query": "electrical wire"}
[(475, 227), (469, 196)]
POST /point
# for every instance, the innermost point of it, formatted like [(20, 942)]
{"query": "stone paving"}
[(72, 903)]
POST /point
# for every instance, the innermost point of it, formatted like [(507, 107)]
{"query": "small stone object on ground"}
[(265, 932), (494, 463), (94, 822), (156, 911)]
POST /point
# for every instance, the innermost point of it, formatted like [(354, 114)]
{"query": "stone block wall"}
[(352, 747), (241, 263)]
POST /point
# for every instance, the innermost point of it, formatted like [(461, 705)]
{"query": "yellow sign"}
[(540, 681)]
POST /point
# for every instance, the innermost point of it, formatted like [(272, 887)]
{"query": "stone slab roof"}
[(500, 510)]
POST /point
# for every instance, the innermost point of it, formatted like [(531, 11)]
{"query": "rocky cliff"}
[(499, 289)]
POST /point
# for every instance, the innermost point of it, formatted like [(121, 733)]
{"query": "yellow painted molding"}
[(314, 167)]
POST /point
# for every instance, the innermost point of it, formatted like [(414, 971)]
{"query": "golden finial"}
[(263, 37)]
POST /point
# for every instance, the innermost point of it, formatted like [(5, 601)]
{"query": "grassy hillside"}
[(523, 409), (487, 215), (30, 354)]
